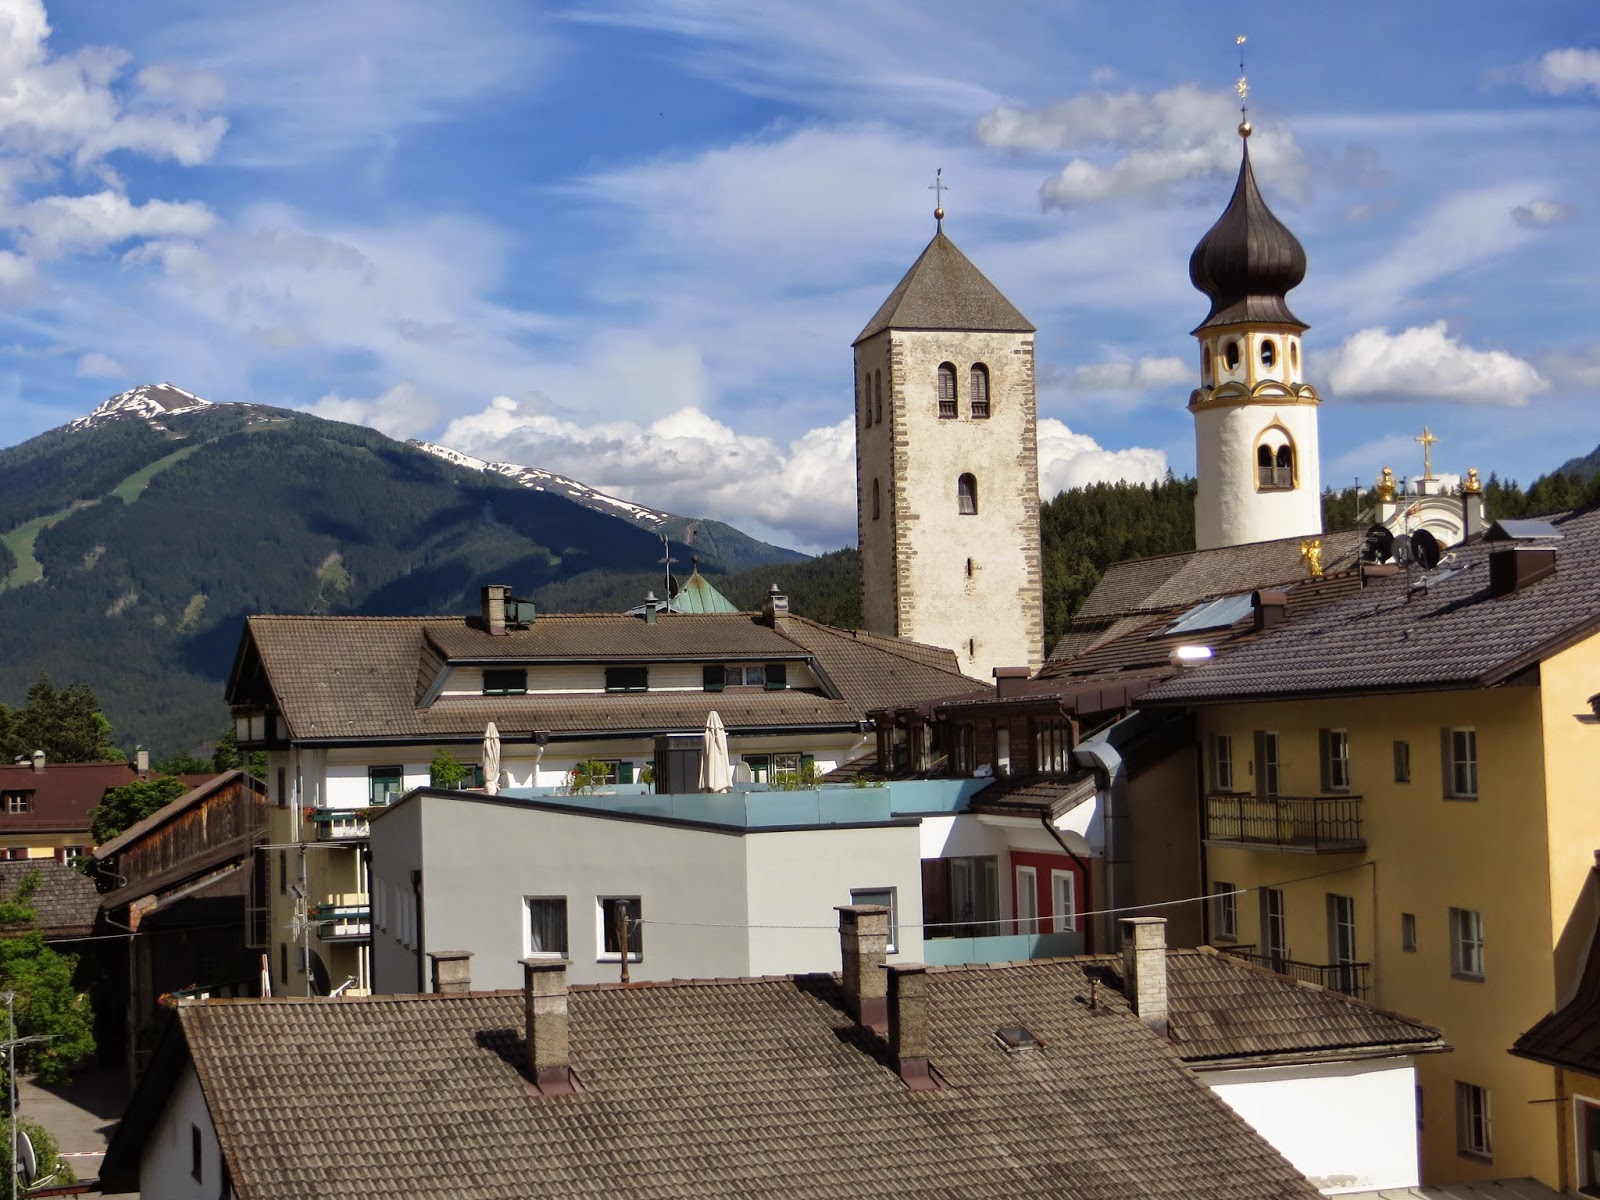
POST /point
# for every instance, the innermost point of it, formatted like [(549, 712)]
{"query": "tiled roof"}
[(357, 677), (1570, 1037), (1035, 796), (714, 1088), (1391, 635), (65, 901), (63, 794), (167, 812), (943, 290)]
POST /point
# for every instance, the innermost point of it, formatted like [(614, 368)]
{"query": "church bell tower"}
[(947, 466)]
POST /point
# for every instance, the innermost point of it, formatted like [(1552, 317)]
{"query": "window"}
[(745, 675), (283, 788), (18, 802), (627, 679), (1063, 901), (1472, 1120), (967, 495), (1274, 928), (877, 502), (615, 771), (1466, 943), (1335, 754), (283, 961), (508, 681), (966, 749), (1052, 748), (961, 896), (947, 390), (1274, 468), (1342, 943), (980, 392), (885, 897), (1461, 764), (547, 926), (866, 400), (765, 768), (196, 1159), (1221, 762), (1225, 911), (1408, 932), (613, 910), (1586, 1118), (384, 785), (1266, 763), (70, 854), (1027, 901), (1230, 355), (1402, 762), (17, 853), (877, 396), (776, 676), (1269, 354), (1002, 751)]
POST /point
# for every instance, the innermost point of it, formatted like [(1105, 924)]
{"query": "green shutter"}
[(777, 677), (714, 679), (624, 772)]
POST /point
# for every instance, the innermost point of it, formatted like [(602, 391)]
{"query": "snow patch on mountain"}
[(548, 481), (151, 401)]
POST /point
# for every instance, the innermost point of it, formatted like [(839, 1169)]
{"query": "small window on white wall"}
[(612, 911), (1064, 901), (547, 926), (885, 897)]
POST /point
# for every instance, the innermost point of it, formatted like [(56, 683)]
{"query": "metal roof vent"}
[(1014, 1038)]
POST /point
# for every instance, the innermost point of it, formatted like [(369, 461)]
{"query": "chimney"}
[(544, 1000), (141, 762), (777, 605), (908, 1025), (38, 760), (863, 945), (1144, 969), (452, 971), (494, 607), (1512, 568), (1008, 681), (650, 603), (1271, 608)]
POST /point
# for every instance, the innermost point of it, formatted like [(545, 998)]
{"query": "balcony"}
[(1351, 979), (342, 922), (347, 824), (1300, 824), (954, 951)]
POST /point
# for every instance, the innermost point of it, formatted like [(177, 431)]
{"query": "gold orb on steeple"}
[(938, 214), (1245, 129)]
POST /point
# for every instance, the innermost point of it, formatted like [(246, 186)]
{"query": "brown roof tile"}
[(62, 795), (66, 901), (943, 290)]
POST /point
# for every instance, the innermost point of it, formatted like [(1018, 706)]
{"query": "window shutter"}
[(777, 676), (624, 772), (1261, 764), (1325, 753), (714, 679), (1447, 773)]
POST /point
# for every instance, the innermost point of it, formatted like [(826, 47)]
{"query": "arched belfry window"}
[(866, 399), (1275, 460), (877, 500), (980, 391), (947, 389), (967, 495), (877, 395)]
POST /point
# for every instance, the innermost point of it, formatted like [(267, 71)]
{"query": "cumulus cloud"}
[(1568, 70), (1138, 143), (100, 366), (1427, 363), (1069, 460), (1126, 376), (1537, 213), (55, 225), (400, 412)]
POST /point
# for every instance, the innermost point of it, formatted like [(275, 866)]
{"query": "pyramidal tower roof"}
[(1248, 261), (943, 290)]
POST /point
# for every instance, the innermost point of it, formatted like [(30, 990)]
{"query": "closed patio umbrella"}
[(715, 773), (491, 759)]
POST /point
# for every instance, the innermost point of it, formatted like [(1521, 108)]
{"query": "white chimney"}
[(38, 760)]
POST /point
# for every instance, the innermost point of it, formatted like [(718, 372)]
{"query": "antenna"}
[(938, 188), (1425, 549), (666, 561), (1243, 88), (1379, 544)]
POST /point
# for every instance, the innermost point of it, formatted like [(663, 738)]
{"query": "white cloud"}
[(1126, 376), (56, 225), (1425, 362), (1536, 213), (400, 412), (1569, 70), (100, 366), (1138, 143), (1069, 460)]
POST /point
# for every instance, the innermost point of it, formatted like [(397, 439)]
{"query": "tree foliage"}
[(65, 723), (52, 1168), (125, 806), (47, 1005)]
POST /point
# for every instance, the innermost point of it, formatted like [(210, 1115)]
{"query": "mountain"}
[(1585, 468), (134, 540)]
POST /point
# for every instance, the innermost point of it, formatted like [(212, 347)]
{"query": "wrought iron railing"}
[(1352, 979), (1320, 824)]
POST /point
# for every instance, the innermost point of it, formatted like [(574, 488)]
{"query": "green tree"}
[(47, 1005), (53, 1169), (446, 771), (228, 757), (66, 724), (182, 764), (122, 807)]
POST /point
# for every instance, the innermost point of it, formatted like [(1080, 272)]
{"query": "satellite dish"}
[(27, 1161), (1402, 548), (1425, 549), (1380, 543)]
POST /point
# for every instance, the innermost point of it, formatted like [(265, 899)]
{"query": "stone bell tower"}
[(1255, 417), (947, 466)]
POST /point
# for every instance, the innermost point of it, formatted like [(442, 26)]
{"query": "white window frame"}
[(1026, 881), (1466, 944), (601, 953), (890, 899), (1587, 1164), (1462, 762), (1474, 1122), (1225, 899), (1276, 949), (1063, 916), (1222, 762), (1336, 748), (527, 927)]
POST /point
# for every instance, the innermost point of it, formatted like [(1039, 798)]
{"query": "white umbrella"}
[(715, 773), (491, 759)]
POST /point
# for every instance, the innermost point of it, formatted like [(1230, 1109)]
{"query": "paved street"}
[(81, 1114)]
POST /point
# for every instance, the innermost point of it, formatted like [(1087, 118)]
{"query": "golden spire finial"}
[(1243, 88), (938, 188), (1386, 485), (1473, 486), (1311, 555), (1427, 441)]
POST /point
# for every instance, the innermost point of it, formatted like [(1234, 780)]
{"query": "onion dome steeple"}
[(1248, 261)]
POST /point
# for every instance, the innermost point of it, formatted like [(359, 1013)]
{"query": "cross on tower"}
[(938, 188), (1427, 441)]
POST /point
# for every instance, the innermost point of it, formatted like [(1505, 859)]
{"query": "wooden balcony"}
[(1300, 824), (1352, 979)]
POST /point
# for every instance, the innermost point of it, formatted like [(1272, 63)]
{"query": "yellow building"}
[(1399, 803)]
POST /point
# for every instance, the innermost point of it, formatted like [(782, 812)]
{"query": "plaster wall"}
[(969, 582), (1348, 1127), (165, 1169), (590, 678)]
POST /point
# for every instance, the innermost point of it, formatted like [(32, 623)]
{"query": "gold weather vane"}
[(938, 188), (1243, 88), (1427, 441)]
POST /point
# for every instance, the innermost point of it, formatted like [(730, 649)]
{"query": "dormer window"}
[(627, 679), (509, 681), (947, 390), (980, 392)]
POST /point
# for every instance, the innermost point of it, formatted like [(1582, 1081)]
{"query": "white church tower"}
[(1255, 418), (947, 467)]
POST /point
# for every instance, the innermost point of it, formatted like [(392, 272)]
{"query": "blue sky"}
[(631, 242)]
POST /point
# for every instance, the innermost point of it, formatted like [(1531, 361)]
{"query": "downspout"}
[(1088, 876), (416, 895), (1098, 753)]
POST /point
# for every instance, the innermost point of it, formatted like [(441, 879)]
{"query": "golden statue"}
[(1472, 485), (1386, 485), (1311, 555)]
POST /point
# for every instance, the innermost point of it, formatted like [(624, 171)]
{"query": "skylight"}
[(1016, 1037), (1211, 614)]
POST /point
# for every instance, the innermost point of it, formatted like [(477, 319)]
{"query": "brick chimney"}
[(908, 1025), (863, 946), (1271, 608), (544, 1001), (452, 971), (1008, 681), (494, 607), (1144, 969), (38, 760)]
